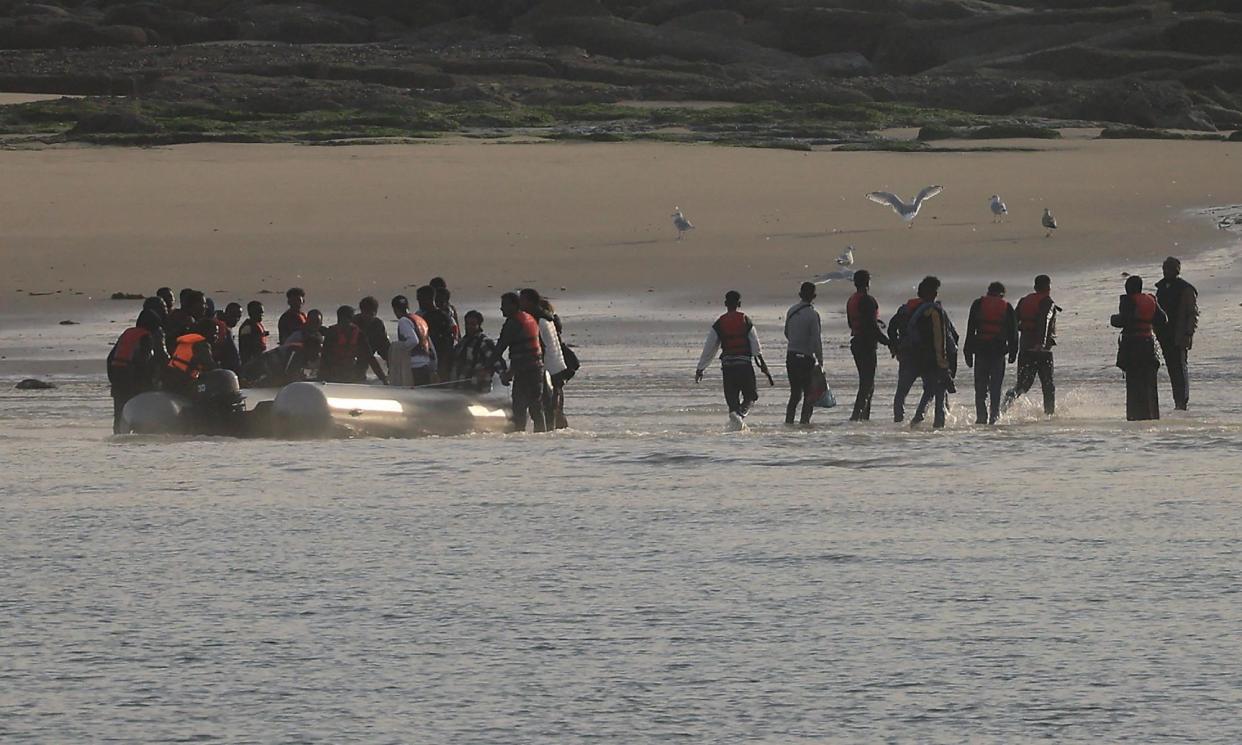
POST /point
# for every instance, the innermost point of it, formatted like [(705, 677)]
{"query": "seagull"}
[(999, 210), (907, 211), (681, 223), (1049, 222), (847, 258)]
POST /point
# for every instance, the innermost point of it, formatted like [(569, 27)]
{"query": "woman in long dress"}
[(1138, 315)]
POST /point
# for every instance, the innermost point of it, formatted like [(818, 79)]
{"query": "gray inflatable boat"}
[(316, 410)]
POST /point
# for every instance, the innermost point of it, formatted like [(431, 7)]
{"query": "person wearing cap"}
[(1180, 301), (805, 352), (734, 336)]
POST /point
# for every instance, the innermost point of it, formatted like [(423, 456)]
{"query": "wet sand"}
[(592, 219)]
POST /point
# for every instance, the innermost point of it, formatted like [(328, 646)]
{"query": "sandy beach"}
[(82, 223)]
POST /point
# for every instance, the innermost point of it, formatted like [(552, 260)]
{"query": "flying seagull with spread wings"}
[(907, 211)]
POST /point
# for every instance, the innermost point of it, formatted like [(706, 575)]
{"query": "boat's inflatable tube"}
[(309, 409), (219, 408), (156, 413)]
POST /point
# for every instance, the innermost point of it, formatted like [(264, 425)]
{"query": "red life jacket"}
[(261, 330), (992, 310), (183, 357), (127, 345), (1028, 312), (345, 347), (1144, 314), (424, 332), (913, 304), (733, 330), (856, 321)]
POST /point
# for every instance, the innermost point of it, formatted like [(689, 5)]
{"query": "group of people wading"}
[(170, 348), (924, 341)]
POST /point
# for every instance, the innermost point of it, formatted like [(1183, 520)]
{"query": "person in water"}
[(934, 345), (191, 358), (520, 338), (376, 332), (804, 353), (866, 334), (287, 363), (1180, 301), (346, 353), (474, 358), (412, 360), (902, 350), (1037, 326), (991, 339), (252, 336), (444, 302), (136, 359), (734, 336), (439, 328), (1139, 316), (293, 318), (538, 307)]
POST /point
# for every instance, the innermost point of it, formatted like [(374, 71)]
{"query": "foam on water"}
[(645, 575)]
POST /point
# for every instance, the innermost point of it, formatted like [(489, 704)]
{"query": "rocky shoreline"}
[(196, 70)]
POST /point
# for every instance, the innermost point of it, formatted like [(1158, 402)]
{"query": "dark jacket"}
[(1136, 350), (1180, 301)]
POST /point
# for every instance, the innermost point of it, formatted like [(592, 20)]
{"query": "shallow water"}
[(643, 577)]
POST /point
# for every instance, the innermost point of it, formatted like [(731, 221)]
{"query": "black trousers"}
[(934, 389), (554, 403), (527, 387), (1142, 394), (740, 390), (1034, 363), (865, 361), (119, 399), (989, 378), (1176, 360), (801, 371)]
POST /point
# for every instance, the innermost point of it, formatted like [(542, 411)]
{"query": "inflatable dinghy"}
[(309, 409)]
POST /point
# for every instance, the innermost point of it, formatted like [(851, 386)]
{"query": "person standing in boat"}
[(376, 332), (293, 319), (1139, 316), (346, 352), (252, 336)]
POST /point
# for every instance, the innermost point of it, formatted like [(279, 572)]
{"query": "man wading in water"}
[(734, 335)]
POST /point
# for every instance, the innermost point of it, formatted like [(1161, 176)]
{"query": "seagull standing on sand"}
[(1049, 222), (681, 223), (847, 258), (999, 210), (907, 211)]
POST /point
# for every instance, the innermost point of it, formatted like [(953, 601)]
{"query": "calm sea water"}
[(644, 577)]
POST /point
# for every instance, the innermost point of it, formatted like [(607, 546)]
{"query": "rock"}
[(68, 323), (1236, 136), (128, 296), (33, 384)]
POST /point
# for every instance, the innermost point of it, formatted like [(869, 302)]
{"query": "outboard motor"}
[(218, 403)]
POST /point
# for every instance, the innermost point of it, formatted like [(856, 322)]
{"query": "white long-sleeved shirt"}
[(553, 357), (712, 344), (408, 331)]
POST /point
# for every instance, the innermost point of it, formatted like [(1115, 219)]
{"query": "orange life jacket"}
[(182, 359), (992, 310), (127, 345), (733, 330), (1144, 314), (424, 332), (854, 317)]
